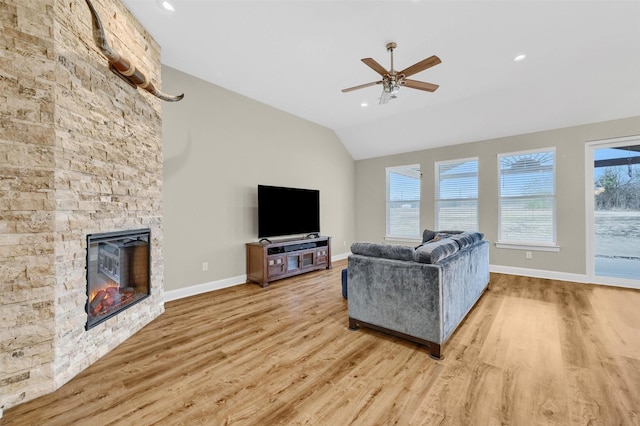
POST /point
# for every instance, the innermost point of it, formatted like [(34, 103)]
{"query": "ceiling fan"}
[(392, 79)]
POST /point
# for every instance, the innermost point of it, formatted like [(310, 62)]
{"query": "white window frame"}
[(438, 200), (408, 170), (525, 244)]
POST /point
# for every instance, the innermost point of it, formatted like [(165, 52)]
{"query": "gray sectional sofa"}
[(422, 293)]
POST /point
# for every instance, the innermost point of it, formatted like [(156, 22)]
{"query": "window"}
[(613, 211), (527, 198), (403, 201), (457, 195)]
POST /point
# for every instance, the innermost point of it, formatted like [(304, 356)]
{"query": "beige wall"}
[(218, 146), (570, 190)]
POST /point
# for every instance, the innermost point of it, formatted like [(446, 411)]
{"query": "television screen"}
[(287, 211)]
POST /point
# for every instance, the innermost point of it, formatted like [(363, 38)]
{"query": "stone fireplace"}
[(80, 154)]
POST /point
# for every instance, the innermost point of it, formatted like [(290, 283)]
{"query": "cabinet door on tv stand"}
[(321, 256), (293, 262), (276, 266), (307, 259)]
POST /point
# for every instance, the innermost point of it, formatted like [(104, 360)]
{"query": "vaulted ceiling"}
[(582, 63)]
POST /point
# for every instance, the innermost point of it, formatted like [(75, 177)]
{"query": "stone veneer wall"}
[(80, 153)]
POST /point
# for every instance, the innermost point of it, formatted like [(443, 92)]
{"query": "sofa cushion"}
[(435, 251), (387, 251)]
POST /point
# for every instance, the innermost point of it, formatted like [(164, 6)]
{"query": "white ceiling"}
[(582, 66)]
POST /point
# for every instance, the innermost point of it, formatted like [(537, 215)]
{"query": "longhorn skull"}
[(121, 66)]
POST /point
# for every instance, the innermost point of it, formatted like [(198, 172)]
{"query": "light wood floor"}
[(532, 352)]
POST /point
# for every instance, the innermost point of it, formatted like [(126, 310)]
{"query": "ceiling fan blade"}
[(361, 86), (371, 63), (420, 85), (420, 66)]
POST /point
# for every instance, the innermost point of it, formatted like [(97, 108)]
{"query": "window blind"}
[(403, 201), (457, 195), (527, 197)]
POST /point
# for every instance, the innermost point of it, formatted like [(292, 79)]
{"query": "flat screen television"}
[(287, 211)]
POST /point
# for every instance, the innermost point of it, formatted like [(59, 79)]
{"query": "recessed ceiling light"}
[(520, 57), (364, 104), (168, 6)]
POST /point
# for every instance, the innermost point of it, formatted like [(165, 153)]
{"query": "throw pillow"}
[(435, 251), (463, 240), (428, 235)]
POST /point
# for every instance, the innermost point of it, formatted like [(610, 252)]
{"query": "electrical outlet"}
[(205, 266), (344, 244), (527, 255)]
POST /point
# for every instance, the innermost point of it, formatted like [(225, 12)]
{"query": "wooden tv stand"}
[(268, 262)]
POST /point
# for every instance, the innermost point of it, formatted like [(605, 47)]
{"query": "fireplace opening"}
[(118, 272)]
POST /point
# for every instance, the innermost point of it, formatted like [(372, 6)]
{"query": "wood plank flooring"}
[(532, 352)]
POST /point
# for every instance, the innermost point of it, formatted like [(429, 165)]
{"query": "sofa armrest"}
[(466, 276)]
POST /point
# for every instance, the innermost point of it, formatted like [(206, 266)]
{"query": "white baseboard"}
[(340, 256), (203, 288), (219, 284), (241, 279), (539, 273), (565, 276)]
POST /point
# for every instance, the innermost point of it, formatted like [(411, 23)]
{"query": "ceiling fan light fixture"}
[(385, 97), (391, 86)]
